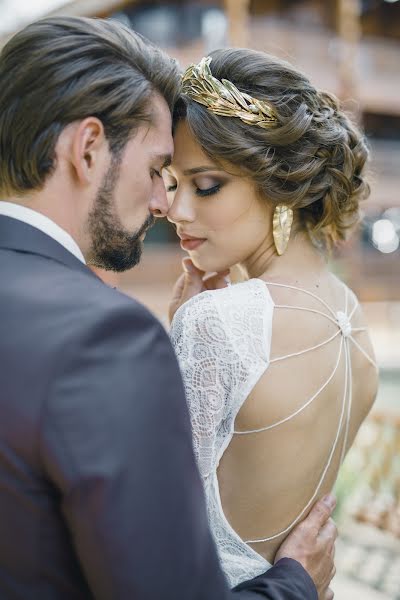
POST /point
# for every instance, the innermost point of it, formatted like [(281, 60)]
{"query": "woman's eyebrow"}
[(201, 169)]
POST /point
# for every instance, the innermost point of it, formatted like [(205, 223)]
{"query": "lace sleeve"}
[(221, 339)]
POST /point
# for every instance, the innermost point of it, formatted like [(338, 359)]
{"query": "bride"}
[(278, 367)]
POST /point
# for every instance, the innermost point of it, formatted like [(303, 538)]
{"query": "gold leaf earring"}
[(281, 227)]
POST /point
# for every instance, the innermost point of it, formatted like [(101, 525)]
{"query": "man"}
[(99, 494)]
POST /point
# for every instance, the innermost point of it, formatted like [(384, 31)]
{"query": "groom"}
[(99, 494)]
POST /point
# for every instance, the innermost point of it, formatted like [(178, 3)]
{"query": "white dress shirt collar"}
[(44, 224)]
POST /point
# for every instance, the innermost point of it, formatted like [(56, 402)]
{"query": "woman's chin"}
[(200, 264), (208, 266)]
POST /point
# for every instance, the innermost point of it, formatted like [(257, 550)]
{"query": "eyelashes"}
[(199, 192), (209, 191)]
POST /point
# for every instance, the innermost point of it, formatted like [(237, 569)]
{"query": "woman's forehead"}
[(188, 153)]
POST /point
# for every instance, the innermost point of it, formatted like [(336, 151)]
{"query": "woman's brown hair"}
[(312, 160)]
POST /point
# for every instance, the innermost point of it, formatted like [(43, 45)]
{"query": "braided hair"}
[(312, 160)]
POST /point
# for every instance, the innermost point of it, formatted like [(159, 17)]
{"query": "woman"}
[(278, 369)]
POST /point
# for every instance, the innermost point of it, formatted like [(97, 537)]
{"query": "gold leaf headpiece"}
[(223, 98)]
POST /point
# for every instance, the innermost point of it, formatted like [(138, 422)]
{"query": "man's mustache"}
[(149, 222)]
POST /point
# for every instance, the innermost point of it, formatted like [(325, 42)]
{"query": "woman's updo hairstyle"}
[(311, 161)]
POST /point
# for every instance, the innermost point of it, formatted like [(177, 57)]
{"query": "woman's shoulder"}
[(236, 320), (234, 301), (351, 303)]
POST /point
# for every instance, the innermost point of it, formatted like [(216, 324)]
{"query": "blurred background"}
[(350, 47)]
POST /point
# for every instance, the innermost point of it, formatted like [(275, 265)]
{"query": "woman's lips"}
[(191, 244)]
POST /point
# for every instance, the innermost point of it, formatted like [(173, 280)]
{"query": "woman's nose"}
[(181, 208)]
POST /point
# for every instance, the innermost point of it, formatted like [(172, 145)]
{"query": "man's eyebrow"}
[(165, 159), (202, 169)]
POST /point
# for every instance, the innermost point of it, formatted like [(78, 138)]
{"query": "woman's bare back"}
[(267, 479)]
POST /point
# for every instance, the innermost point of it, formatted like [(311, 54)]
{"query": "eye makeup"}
[(208, 191), (203, 184)]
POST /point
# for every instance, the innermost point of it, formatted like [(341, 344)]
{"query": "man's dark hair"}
[(61, 70)]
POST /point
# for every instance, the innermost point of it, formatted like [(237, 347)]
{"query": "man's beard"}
[(112, 247)]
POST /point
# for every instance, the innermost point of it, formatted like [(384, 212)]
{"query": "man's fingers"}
[(329, 531), (332, 552), (321, 512), (329, 595)]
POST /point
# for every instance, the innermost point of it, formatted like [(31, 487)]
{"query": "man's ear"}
[(89, 145)]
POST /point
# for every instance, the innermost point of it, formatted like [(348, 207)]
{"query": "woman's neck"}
[(301, 260)]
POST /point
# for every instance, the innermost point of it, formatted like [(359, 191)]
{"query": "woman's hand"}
[(192, 282)]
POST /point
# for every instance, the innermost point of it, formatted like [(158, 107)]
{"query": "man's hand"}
[(312, 544), (192, 282)]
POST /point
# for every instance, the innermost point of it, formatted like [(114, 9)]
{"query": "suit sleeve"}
[(287, 580), (116, 443)]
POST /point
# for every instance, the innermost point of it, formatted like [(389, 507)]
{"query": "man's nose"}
[(159, 203)]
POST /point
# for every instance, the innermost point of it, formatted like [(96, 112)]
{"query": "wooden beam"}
[(237, 12), (349, 34), (91, 8)]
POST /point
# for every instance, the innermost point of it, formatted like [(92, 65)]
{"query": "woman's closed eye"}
[(208, 191), (206, 186), (202, 186), (198, 191)]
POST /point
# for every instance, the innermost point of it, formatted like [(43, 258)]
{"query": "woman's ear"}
[(88, 147)]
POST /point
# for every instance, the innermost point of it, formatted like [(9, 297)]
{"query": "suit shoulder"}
[(81, 307), (91, 298)]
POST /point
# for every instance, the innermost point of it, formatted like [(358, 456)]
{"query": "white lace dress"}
[(222, 339)]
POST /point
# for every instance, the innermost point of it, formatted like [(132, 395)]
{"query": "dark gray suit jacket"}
[(99, 493)]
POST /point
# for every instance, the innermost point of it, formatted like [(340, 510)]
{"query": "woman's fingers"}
[(188, 285), (192, 282), (216, 281)]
